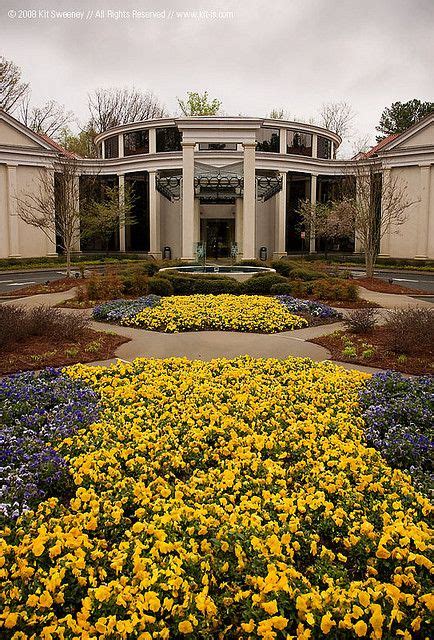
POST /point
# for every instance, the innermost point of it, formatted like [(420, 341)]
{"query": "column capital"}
[(249, 143), (188, 143)]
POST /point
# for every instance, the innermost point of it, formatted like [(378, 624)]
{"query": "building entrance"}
[(218, 235)]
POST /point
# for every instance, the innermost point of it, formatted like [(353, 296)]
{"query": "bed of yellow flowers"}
[(222, 500), (258, 314)]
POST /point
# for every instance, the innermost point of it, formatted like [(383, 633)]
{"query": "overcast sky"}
[(293, 54)]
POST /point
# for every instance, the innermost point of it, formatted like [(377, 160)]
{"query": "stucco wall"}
[(4, 224), (420, 139), (265, 216), (33, 241), (170, 220), (10, 136), (406, 240)]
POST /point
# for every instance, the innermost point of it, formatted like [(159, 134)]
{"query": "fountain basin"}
[(239, 272)]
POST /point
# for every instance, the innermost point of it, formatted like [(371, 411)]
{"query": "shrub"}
[(306, 275), (103, 287), (398, 414), (182, 285), (410, 328), (281, 288), (261, 284), (335, 289), (216, 286), (135, 283), (160, 286), (254, 262), (361, 320), (18, 323), (300, 288), (283, 267)]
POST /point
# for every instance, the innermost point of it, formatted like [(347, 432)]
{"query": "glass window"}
[(299, 143), (168, 139), (217, 146), (324, 147), (136, 142), (112, 147), (268, 140)]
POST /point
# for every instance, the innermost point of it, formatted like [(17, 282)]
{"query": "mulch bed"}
[(56, 286), (419, 362), (37, 352), (381, 286)]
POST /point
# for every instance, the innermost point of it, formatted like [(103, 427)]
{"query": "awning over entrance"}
[(218, 183)]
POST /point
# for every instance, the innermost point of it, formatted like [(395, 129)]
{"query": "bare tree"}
[(53, 206), (112, 107), (337, 117), (50, 119), (323, 221), (279, 114), (379, 206), (12, 88)]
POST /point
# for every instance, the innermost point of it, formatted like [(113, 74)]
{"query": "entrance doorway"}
[(218, 235)]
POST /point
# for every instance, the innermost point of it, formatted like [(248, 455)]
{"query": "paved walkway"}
[(206, 345)]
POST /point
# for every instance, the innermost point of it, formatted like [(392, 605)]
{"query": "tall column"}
[(423, 221), (385, 241), (121, 145), (154, 218), (76, 240), (314, 145), (13, 218), (187, 232), (249, 204), (196, 222), (313, 186), (282, 143), (239, 226), (280, 221), (121, 184), (152, 140)]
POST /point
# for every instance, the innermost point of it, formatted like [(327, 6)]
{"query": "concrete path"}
[(393, 300), (206, 345)]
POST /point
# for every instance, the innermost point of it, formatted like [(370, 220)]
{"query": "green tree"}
[(81, 144), (402, 115), (198, 104), (101, 218)]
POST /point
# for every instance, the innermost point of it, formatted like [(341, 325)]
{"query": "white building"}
[(222, 181)]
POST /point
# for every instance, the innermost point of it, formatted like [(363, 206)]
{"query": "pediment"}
[(14, 134)]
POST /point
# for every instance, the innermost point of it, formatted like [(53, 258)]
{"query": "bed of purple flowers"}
[(399, 421), (311, 307), (117, 310), (37, 410)]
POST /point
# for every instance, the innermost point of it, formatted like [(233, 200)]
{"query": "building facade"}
[(231, 184)]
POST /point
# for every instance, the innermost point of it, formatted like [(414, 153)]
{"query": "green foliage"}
[(198, 104), (402, 115), (281, 289), (82, 144), (100, 219), (160, 286), (261, 284)]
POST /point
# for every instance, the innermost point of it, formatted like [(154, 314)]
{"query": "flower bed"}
[(228, 499), (37, 411), (258, 314), (399, 422)]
